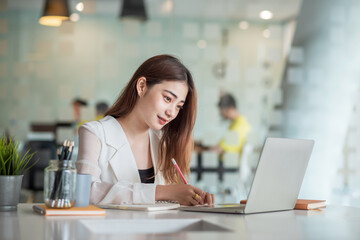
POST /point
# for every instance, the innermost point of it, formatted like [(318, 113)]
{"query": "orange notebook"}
[(304, 204), (91, 210)]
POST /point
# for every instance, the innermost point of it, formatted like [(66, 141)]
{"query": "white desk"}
[(334, 222)]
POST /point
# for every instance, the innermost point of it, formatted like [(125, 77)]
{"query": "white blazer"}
[(115, 176)]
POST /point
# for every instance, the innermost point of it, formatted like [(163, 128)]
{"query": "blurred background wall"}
[(321, 96), (294, 75)]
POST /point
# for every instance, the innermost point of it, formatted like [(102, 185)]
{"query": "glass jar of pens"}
[(60, 179)]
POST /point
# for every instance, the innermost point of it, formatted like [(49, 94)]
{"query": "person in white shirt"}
[(129, 151)]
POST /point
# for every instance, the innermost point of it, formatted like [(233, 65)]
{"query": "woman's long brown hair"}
[(176, 141)]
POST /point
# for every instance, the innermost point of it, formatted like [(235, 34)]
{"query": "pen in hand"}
[(184, 180), (179, 171)]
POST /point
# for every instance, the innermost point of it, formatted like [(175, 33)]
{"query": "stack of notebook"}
[(91, 210)]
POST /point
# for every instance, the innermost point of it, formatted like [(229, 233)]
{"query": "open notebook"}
[(157, 206)]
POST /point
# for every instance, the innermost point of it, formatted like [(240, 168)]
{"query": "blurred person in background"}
[(238, 129), (101, 108), (77, 104)]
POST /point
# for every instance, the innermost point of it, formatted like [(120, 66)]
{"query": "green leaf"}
[(10, 161)]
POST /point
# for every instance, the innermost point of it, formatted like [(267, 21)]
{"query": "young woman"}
[(129, 151)]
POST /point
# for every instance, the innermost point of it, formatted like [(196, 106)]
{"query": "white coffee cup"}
[(83, 187)]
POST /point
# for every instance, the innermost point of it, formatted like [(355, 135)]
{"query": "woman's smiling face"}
[(162, 102)]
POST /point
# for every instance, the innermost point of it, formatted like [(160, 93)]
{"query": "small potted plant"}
[(12, 168)]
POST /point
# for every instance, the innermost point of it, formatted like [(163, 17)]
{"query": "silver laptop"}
[(277, 180)]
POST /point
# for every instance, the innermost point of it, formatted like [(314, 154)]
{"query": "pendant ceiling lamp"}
[(134, 9), (55, 11)]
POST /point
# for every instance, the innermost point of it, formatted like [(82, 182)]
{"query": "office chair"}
[(45, 151)]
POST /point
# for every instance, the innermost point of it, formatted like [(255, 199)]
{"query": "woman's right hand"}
[(185, 194)]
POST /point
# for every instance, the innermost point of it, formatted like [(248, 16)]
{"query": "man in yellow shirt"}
[(238, 129), (100, 108)]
